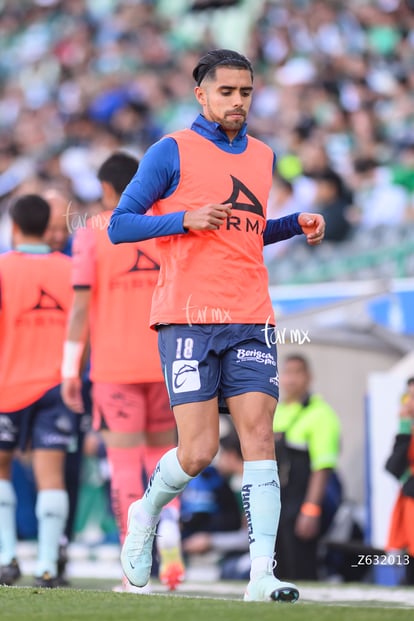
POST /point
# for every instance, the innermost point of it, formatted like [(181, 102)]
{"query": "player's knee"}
[(5, 465), (258, 444), (197, 460)]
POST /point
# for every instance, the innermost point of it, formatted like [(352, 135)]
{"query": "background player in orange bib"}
[(113, 290), (208, 187), (35, 298)]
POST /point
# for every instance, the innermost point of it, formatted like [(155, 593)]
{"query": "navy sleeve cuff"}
[(282, 228)]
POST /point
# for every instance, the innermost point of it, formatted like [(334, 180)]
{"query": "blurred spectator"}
[(57, 235), (282, 202), (378, 201), (307, 434), (313, 161), (332, 200), (400, 464), (403, 170)]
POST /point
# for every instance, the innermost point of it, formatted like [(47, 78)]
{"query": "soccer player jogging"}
[(208, 187), (113, 287), (35, 295)]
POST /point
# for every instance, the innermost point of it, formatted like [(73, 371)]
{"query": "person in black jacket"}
[(401, 465), (333, 199)]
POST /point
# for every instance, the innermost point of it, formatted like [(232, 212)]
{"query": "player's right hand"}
[(71, 392), (207, 218)]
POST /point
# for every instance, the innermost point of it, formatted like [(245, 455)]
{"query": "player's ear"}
[(15, 234), (110, 198), (200, 95)]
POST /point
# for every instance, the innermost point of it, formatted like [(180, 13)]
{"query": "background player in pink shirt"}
[(113, 290)]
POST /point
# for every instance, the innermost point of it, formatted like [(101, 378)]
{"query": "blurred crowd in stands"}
[(334, 96)]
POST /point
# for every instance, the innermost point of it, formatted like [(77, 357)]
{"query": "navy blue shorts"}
[(201, 362), (45, 424)]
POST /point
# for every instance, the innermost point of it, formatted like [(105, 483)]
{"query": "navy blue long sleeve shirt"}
[(158, 176)]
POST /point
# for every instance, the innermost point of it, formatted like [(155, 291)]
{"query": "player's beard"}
[(233, 123), (226, 123)]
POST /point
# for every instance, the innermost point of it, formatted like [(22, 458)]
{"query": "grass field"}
[(76, 604)]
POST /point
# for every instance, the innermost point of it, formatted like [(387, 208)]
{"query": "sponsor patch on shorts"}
[(185, 376)]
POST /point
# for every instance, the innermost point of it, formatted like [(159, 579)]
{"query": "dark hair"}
[(282, 181), (299, 358), (364, 164), (118, 170), (410, 381), (31, 214), (224, 58), (330, 176)]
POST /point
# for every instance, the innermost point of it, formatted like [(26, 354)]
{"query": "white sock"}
[(8, 530), (52, 508), (168, 533), (261, 503), (167, 481), (260, 565)]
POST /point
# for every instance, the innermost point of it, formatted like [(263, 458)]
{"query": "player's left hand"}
[(71, 392), (313, 226)]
